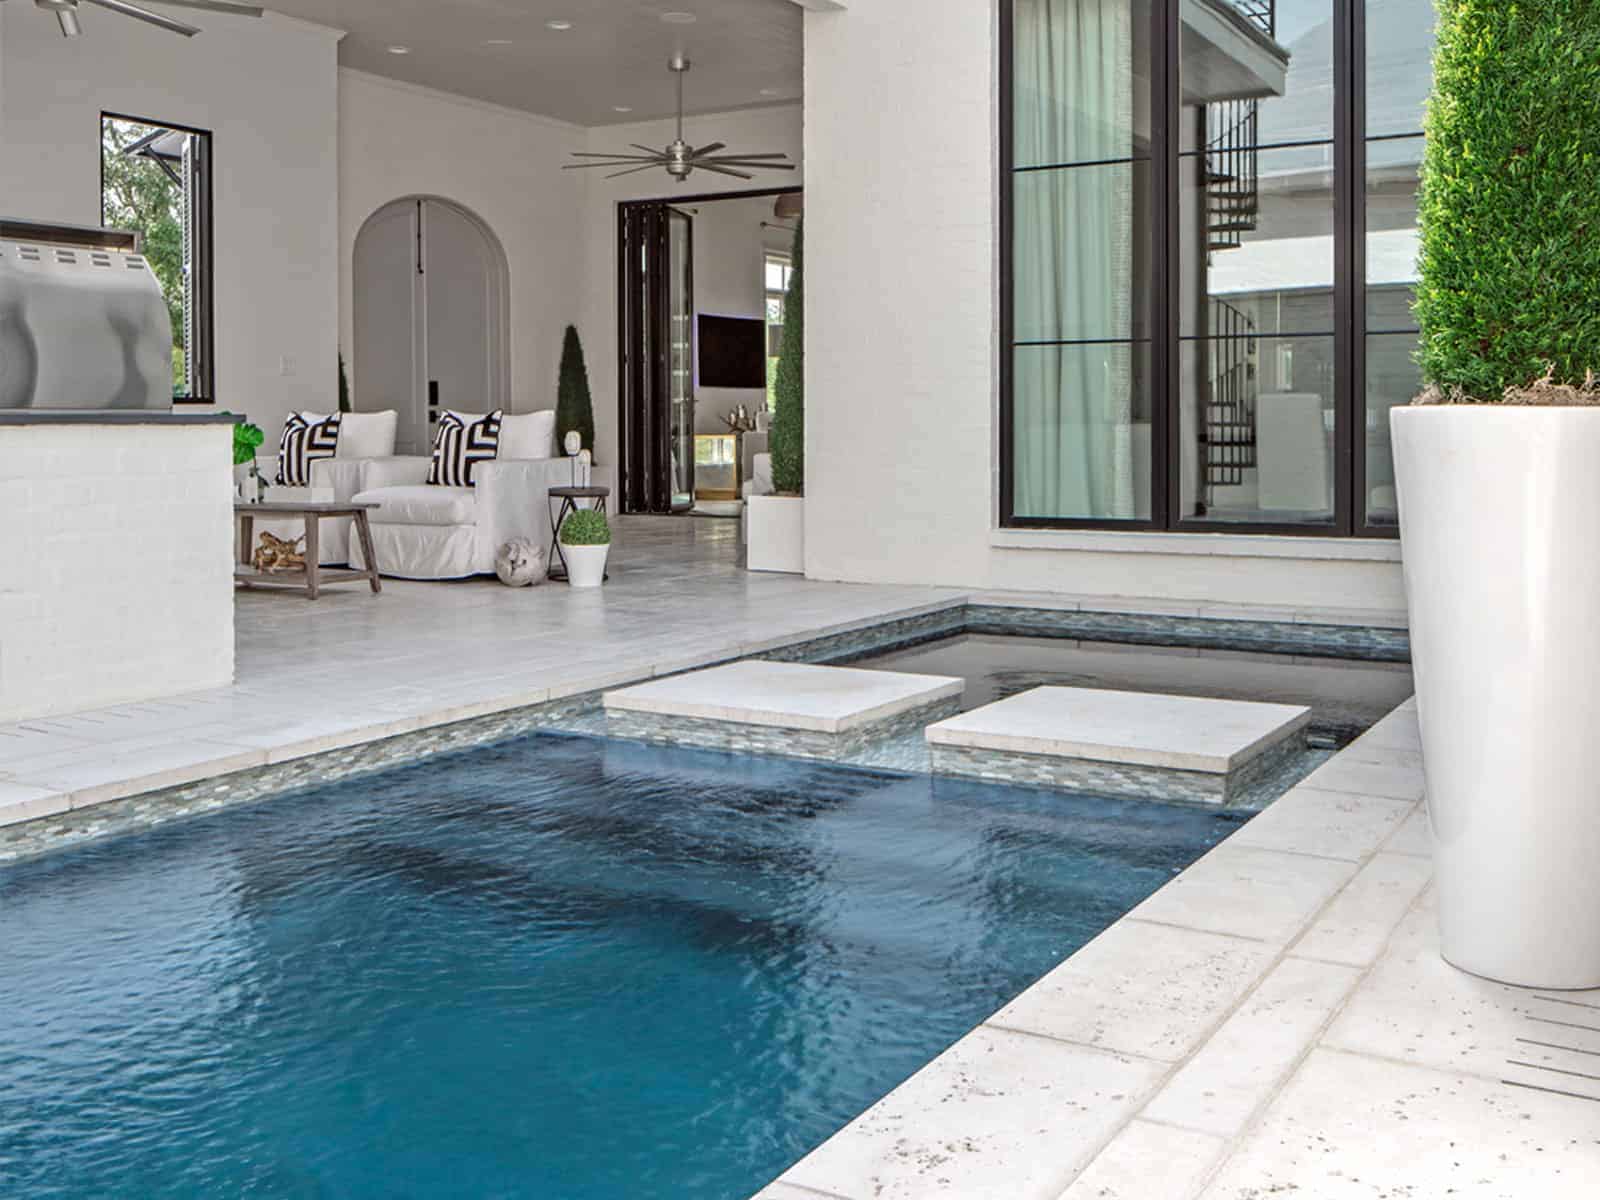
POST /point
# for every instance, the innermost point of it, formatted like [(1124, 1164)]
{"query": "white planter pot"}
[(586, 565), (1499, 510), (775, 534)]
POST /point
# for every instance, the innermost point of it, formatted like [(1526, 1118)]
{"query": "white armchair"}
[(426, 531), (363, 437)]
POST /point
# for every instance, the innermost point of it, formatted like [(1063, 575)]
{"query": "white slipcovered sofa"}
[(429, 531), (363, 437)]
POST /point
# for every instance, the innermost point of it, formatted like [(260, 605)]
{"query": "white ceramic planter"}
[(775, 534), (1499, 511), (586, 565)]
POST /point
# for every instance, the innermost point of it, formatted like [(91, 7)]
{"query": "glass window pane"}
[(1257, 234), (1400, 37), (1392, 241), (1256, 429), (1080, 81), (1256, 70), (1081, 431), (1081, 266), (1393, 377)]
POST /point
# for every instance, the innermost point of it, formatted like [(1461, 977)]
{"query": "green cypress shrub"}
[(1509, 284), (789, 415), (574, 408)]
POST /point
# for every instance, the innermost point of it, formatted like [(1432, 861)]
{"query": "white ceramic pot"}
[(1499, 509), (775, 534), (586, 565)]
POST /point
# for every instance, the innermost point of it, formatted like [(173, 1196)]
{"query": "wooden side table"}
[(312, 579), (569, 496)]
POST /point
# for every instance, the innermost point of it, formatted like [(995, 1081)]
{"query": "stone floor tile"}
[(1413, 836), (1356, 927), (1308, 820), (1249, 892), (1218, 1089), (1143, 989), (1149, 1162), (20, 802), (1397, 781), (1354, 1128), (998, 1116)]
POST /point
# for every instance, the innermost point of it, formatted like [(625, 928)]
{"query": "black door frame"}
[(643, 450)]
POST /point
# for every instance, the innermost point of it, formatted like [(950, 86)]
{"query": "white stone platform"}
[(787, 695), (1125, 743)]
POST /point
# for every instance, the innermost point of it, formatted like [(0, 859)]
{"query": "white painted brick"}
[(117, 579)]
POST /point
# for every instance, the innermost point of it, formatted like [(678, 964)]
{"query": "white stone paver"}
[(1220, 1088), (1141, 989), (1355, 1128), (998, 1116), (1143, 728), (1356, 926), (787, 695), (1146, 1159), (1247, 892), (1307, 820)]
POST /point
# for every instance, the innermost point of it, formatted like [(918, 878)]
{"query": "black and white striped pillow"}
[(306, 438), (464, 440)]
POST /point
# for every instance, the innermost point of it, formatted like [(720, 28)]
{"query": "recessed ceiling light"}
[(497, 41), (559, 25), (678, 18), (622, 108), (399, 49), (770, 92)]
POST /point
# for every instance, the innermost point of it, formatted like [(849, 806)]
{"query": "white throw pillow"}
[(368, 435), (528, 435)]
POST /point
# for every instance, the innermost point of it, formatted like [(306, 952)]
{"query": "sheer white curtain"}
[(1072, 260)]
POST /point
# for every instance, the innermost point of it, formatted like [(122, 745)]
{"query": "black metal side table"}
[(569, 496)]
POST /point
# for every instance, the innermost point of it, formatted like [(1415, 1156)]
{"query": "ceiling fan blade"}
[(746, 157), (646, 149), (145, 15), (653, 155), (700, 166), (754, 166), (634, 170), (219, 6), (620, 162), (711, 149)]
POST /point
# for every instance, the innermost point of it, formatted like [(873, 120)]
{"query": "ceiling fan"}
[(680, 158), (66, 12)]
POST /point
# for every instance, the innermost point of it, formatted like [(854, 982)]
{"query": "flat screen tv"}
[(733, 352)]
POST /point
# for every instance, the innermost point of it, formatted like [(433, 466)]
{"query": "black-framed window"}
[(156, 178), (1208, 256)]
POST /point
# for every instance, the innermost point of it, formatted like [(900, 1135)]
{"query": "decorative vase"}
[(1497, 518), (586, 565)]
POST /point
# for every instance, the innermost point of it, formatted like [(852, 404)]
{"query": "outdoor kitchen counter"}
[(116, 557)]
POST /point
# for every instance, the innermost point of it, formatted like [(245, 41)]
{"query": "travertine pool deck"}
[(1119, 743), (1275, 1022)]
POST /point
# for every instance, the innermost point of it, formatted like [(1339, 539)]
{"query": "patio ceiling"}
[(746, 53)]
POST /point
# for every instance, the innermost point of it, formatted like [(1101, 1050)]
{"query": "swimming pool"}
[(556, 967)]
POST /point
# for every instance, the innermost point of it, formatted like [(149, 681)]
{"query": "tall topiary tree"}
[(1510, 204), (789, 414), (574, 408)]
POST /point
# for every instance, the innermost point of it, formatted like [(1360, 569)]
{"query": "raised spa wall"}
[(116, 550)]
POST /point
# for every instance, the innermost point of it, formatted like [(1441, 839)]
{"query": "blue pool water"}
[(558, 968)]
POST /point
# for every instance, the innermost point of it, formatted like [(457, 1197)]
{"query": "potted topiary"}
[(585, 541), (1498, 470), (776, 525)]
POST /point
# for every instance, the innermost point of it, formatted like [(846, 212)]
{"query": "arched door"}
[(431, 297)]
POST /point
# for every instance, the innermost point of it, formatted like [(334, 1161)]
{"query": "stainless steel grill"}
[(83, 324)]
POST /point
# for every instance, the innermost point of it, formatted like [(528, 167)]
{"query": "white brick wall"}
[(901, 340), (115, 564)]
